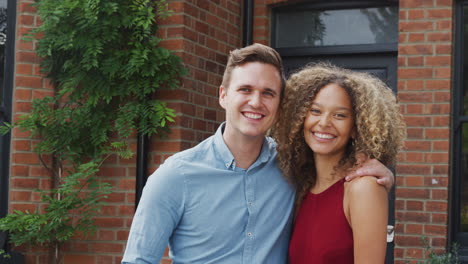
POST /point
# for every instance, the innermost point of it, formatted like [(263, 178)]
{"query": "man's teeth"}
[(253, 116), (324, 136)]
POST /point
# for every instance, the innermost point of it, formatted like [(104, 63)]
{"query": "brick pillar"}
[(424, 82)]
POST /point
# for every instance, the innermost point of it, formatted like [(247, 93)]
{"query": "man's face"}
[(251, 101)]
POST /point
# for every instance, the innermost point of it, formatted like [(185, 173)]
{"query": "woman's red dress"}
[(321, 233)]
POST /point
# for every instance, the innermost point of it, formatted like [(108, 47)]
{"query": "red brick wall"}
[(201, 32), (424, 91), (262, 14), (26, 172)]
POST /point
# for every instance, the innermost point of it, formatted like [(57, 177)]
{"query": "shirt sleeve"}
[(159, 211)]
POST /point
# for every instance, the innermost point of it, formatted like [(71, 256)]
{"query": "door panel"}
[(383, 66)]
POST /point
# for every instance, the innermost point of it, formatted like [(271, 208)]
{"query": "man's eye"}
[(315, 111)]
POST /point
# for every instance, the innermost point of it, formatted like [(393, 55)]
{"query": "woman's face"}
[(329, 124)]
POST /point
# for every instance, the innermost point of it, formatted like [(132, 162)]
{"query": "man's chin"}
[(254, 133)]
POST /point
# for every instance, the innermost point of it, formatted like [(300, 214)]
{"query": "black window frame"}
[(458, 119), (337, 49)]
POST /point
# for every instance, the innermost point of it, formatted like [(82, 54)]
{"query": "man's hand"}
[(372, 167)]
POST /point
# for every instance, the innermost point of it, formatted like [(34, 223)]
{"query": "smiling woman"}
[(329, 124), (330, 114)]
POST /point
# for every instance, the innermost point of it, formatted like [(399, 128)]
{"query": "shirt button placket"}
[(249, 196)]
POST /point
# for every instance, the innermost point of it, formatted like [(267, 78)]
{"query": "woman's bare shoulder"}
[(365, 186)]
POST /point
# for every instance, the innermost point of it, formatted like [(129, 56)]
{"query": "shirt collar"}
[(226, 155)]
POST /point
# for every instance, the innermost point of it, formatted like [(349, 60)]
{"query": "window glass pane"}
[(312, 28), (464, 180), (3, 34), (465, 60)]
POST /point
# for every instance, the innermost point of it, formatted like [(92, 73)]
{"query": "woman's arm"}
[(367, 211)]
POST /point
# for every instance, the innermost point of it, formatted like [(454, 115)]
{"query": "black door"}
[(383, 66)]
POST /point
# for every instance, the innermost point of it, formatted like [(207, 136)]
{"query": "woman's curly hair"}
[(380, 129)]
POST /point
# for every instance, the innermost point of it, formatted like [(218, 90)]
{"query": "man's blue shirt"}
[(210, 211)]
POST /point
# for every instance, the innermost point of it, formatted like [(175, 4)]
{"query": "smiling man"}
[(225, 200)]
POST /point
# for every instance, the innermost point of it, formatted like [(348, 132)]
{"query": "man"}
[(225, 200)]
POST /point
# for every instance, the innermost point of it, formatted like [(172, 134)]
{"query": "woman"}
[(329, 114)]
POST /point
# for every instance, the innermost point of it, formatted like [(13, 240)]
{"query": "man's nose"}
[(255, 100)]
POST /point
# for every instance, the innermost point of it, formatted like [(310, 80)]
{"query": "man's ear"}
[(222, 96)]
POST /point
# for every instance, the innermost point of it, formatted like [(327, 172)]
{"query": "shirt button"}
[(250, 203), (249, 234), (227, 165)]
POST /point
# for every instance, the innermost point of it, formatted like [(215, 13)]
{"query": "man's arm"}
[(157, 215), (375, 168)]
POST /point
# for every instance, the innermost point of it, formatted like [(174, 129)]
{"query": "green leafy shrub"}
[(4, 255), (59, 222), (449, 257), (103, 58)]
